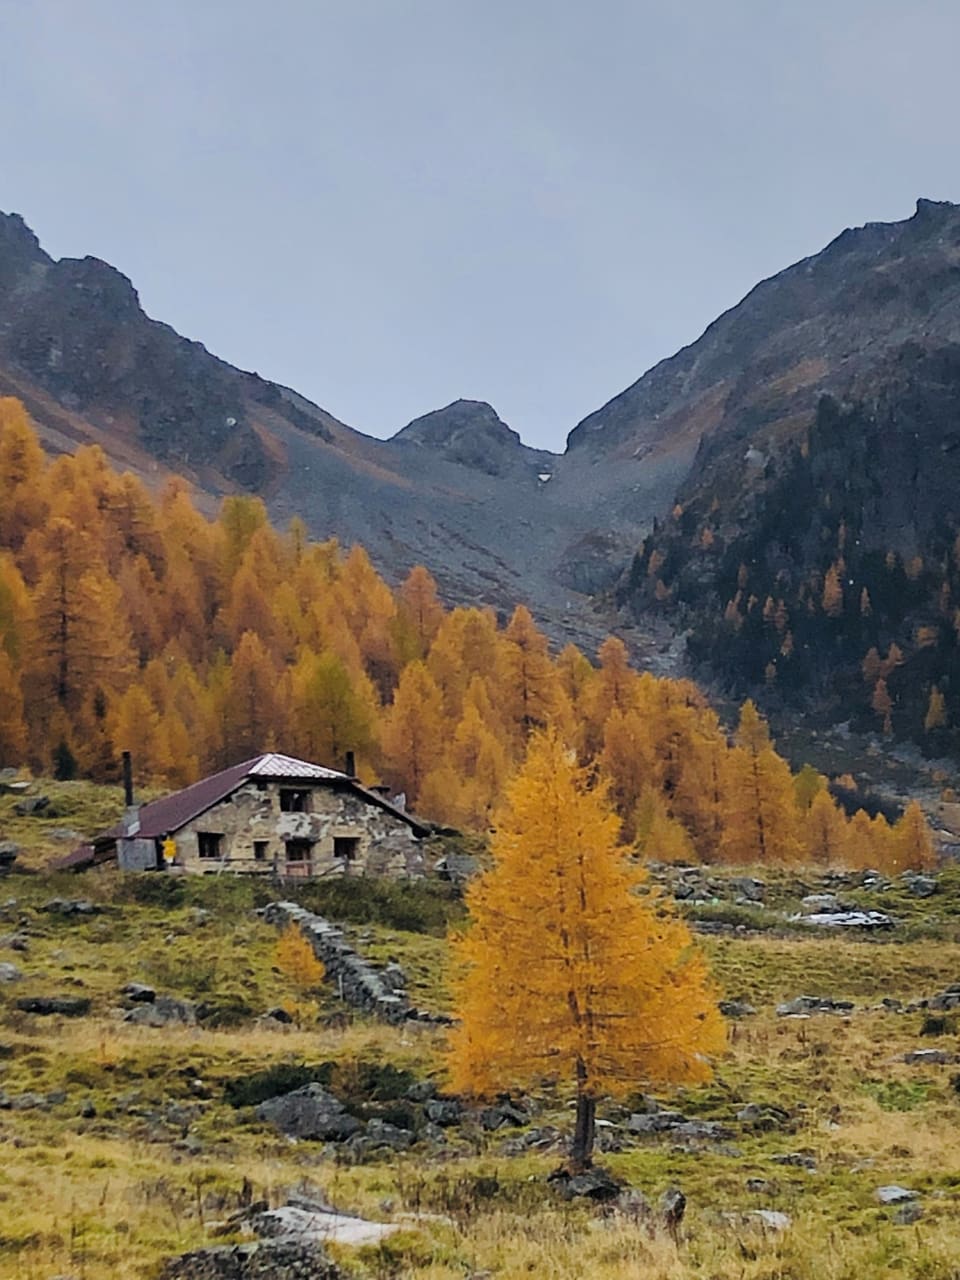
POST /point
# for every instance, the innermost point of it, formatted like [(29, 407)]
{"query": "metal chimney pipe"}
[(127, 780), (350, 765)]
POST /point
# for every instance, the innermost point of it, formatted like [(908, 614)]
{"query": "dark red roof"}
[(172, 812)]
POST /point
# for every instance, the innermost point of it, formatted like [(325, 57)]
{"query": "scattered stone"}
[(422, 1091), (67, 1006), (763, 1119), (502, 1116), (943, 1000), (762, 1186), (276, 1260), (872, 921), (87, 1109), (795, 1160), (749, 888), (815, 902), (9, 852), (893, 1194), (892, 1005), (138, 993), (10, 973), (70, 907), (29, 1102), (31, 805), (279, 1014), (321, 1225), (801, 1005), (65, 833), (594, 1184), (929, 1057), (736, 1009), (907, 1214), (163, 1011), (770, 1219), (381, 1134), (923, 886), (444, 1111), (309, 1112)]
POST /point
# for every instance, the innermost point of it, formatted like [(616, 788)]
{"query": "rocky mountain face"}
[(456, 489), (843, 365), (818, 524)]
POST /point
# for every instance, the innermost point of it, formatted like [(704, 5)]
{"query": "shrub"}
[(249, 1090), (413, 906)]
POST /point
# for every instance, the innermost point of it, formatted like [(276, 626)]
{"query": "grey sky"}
[(388, 204)]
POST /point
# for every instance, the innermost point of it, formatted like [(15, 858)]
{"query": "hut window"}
[(346, 847), (209, 844), (294, 801), (299, 850), (260, 848)]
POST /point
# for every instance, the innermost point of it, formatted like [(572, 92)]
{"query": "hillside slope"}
[(495, 521)]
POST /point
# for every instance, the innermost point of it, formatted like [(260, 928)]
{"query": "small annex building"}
[(272, 815)]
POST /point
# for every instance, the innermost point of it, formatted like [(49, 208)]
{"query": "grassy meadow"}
[(135, 1143)]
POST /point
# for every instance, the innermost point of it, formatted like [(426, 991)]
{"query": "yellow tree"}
[(531, 688), (565, 972), (419, 610), (824, 831), (295, 958), (332, 713), (911, 841), (760, 819), (936, 717), (251, 712), (21, 469), (412, 738), (13, 729)]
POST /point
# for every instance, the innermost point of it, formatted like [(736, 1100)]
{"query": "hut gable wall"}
[(255, 831)]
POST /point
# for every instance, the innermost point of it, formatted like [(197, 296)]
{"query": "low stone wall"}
[(360, 985)]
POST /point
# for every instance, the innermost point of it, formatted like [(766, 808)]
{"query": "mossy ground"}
[(166, 1154)]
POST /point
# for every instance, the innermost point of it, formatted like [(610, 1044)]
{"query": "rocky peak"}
[(97, 286), (811, 328), (20, 252), (469, 432)]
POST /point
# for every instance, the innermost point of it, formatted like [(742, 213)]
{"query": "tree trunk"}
[(581, 1153)]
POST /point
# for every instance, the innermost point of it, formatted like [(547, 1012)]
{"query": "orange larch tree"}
[(565, 972)]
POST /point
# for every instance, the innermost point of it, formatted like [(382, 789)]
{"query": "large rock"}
[(444, 1111), (282, 1259), (45, 1006), (309, 1112), (70, 907), (31, 805), (894, 1194), (594, 1184), (163, 1011), (805, 1005), (9, 973)]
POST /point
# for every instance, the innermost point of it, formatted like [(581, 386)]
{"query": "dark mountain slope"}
[(495, 521), (818, 525)]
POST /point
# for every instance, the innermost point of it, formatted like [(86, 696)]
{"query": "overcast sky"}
[(388, 204)]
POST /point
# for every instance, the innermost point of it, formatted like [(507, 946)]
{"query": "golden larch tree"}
[(413, 733), (297, 961), (824, 831), (911, 841), (565, 973), (761, 822)]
